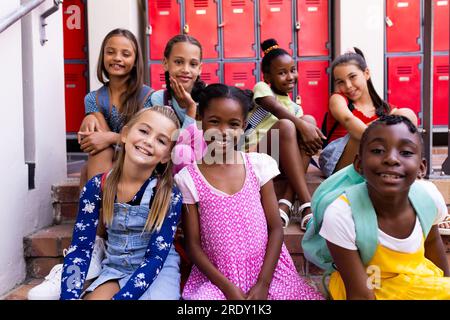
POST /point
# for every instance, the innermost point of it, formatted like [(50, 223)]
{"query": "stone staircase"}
[(44, 249)]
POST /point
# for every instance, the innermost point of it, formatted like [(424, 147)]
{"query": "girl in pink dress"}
[(233, 231)]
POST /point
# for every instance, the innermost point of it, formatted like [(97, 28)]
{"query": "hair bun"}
[(268, 45)]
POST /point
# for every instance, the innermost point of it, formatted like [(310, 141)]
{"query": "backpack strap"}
[(103, 180), (365, 218), (144, 94), (424, 206)]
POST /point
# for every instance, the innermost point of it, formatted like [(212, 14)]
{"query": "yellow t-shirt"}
[(261, 90)]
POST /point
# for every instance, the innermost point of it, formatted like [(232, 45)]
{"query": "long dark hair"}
[(357, 58), (199, 85), (130, 98)]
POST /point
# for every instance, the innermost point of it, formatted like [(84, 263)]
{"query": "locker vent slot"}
[(404, 70), (275, 2), (237, 3), (206, 76), (163, 4), (71, 77), (312, 2), (442, 69), (162, 78), (200, 3), (239, 76), (312, 74)]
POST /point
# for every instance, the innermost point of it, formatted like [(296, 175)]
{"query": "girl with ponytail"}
[(353, 106)]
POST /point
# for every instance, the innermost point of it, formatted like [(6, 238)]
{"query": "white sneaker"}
[(50, 288)]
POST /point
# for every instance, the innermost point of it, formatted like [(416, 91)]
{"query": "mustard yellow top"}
[(260, 90), (400, 276)]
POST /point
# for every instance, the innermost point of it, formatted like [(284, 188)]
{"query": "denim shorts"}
[(330, 156), (166, 286)]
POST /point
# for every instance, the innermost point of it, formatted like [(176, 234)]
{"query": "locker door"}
[(440, 90), (240, 74), (404, 89), (238, 28), (312, 27), (313, 88), (157, 79), (201, 23), (441, 18), (402, 25), (210, 73), (164, 21), (276, 22), (74, 29), (75, 89)]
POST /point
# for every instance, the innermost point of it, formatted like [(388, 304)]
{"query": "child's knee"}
[(309, 118), (287, 129)]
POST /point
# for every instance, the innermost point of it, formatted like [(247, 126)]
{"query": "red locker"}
[(157, 78), (404, 82), (210, 73), (313, 88), (312, 27), (164, 21), (276, 22), (238, 28), (201, 22), (240, 74), (74, 29), (75, 90), (440, 90), (402, 25), (441, 26)]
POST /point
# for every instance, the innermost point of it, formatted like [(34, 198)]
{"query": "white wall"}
[(32, 93), (104, 16), (360, 23)]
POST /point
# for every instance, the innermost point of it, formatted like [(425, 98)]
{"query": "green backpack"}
[(351, 183)]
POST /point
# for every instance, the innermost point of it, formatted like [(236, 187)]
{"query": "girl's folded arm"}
[(435, 251), (339, 110), (157, 250), (352, 271)]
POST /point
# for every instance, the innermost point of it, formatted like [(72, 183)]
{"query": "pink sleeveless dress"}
[(233, 231)]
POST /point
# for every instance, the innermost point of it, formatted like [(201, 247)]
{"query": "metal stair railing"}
[(18, 14)]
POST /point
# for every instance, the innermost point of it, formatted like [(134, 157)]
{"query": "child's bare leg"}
[(290, 158), (100, 162), (103, 292), (288, 194), (347, 157)]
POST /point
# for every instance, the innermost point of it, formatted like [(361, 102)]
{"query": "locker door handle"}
[(389, 22), (221, 25), (186, 29), (297, 26)]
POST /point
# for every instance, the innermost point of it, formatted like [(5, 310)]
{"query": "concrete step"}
[(44, 249), (65, 196), (21, 292)]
